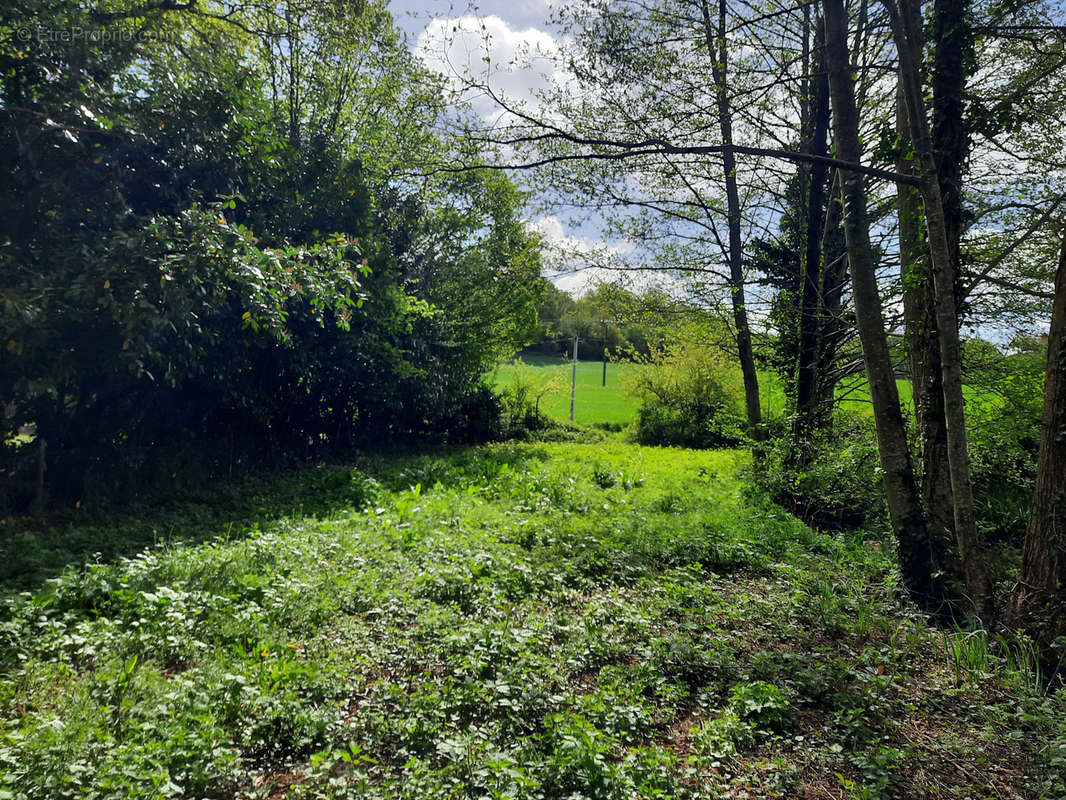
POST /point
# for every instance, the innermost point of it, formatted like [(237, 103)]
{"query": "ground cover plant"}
[(531, 620)]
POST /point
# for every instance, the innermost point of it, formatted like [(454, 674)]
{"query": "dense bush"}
[(196, 276), (689, 398), (1004, 433), (840, 485)]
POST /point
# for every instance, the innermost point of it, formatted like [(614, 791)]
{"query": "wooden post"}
[(604, 352), (573, 380)]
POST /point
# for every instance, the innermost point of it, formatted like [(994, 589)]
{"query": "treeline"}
[(628, 324), (214, 253)]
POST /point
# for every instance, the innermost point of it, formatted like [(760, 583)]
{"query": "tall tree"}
[(916, 555), (1039, 603), (923, 347), (907, 33), (952, 54), (718, 51), (812, 305)]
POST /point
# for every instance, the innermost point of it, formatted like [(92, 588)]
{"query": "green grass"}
[(858, 396), (597, 404), (594, 402), (525, 621)]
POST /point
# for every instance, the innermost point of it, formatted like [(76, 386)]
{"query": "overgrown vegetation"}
[(211, 261), (690, 397), (238, 240), (521, 620)]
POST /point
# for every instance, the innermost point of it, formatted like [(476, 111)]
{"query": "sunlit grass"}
[(594, 402)]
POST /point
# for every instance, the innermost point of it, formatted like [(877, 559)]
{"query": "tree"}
[(618, 129), (609, 136), (906, 29), (818, 312), (184, 276), (718, 51), (1039, 600), (923, 350), (917, 555)]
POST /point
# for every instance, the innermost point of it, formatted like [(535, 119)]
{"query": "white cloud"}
[(577, 251), (576, 263), (516, 64)]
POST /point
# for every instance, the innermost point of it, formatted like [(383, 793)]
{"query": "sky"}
[(447, 34), (514, 26), (413, 15)]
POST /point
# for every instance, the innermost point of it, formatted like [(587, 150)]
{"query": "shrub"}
[(689, 398), (1003, 431), (522, 397), (839, 488)]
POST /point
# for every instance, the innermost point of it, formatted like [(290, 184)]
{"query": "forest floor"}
[(538, 620)]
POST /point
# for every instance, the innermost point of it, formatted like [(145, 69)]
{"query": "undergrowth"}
[(535, 620)]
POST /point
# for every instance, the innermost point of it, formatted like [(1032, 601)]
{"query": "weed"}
[(762, 705)]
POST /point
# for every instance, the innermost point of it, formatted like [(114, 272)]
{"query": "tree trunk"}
[(907, 29), (1039, 603), (923, 349), (833, 329), (904, 504), (718, 51), (810, 316), (952, 40)]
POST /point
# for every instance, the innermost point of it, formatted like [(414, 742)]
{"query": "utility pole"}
[(573, 380), (604, 351)]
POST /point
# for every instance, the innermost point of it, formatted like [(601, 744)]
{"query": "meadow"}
[(519, 620), (597, 404)]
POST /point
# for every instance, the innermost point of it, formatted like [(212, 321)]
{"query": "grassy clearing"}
[(597, 404), (514, 621)]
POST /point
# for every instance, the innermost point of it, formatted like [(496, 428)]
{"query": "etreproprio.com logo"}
[(103, 35)]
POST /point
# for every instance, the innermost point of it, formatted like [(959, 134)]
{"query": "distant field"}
[(596, 403)]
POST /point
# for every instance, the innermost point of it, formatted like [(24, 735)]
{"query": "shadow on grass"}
[(36, 549)]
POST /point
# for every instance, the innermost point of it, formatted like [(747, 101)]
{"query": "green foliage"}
[(840, 485), (209, 262), (722, 737), (689, 398), (522, 396), (607, 317), (760, 704), (1004, 433)]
